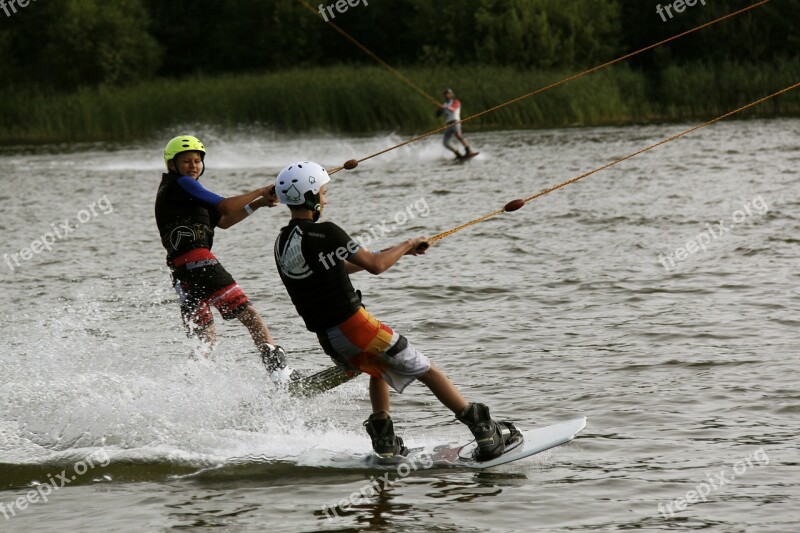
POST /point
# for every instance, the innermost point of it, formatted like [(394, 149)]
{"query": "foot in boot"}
[(384, 441), (274, 358), (488, 434)]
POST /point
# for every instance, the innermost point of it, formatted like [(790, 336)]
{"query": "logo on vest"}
[(290, 260), (180, 233)]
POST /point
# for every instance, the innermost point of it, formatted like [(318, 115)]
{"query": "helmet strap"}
[(312, 201)]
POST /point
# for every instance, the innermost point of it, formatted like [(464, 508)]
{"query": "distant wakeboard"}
[(466, 157), (461, 455)]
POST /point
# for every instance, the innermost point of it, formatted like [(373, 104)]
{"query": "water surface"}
[(560, 309)]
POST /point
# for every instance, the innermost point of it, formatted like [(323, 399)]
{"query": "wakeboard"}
[(320, 382), (461, 455)]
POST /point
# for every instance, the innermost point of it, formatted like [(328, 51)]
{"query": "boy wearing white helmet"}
[(315, 260), (186, 214)]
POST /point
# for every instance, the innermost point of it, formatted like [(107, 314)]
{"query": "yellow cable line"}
[(353, 163), (373, 56), (521, 202)]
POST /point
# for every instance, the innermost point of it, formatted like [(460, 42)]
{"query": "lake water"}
[(687, 373)]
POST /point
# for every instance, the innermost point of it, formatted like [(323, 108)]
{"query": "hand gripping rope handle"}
[(332, 377), (513, 205)]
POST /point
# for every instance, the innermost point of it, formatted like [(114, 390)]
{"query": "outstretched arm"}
[(385, 259), (232, 208)]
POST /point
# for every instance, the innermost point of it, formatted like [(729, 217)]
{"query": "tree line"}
[(61, 45)]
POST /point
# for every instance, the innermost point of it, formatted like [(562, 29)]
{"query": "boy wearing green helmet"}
[(186, 215)]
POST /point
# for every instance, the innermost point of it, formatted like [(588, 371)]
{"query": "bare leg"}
[(379, 396), (258, 330), (441, 386), (380, 427), (446, 142), (452, 149), (486, 431), (208, 338), (463, 141), (206, 334)]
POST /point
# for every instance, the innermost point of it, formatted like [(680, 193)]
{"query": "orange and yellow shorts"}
[(364, 343)]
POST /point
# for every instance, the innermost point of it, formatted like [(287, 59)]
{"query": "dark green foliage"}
[(71, 43), (84, 69), (546, 33)]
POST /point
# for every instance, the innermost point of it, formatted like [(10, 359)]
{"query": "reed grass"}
[(369, 99)]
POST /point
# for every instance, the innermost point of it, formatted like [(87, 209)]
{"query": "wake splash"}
[(88, 390), (249, 150)]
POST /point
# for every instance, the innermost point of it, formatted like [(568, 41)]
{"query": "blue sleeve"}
[(198, 192)]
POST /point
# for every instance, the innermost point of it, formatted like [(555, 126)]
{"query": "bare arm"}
[(352, 268), (385, 259), (232, 208)]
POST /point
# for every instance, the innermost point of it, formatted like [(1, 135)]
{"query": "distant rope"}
[(373, 56), (516, 204), (353, 163)]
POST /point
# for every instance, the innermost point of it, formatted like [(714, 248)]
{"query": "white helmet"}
[(300, 183)]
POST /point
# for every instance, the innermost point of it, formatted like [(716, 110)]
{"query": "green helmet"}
[(183, 143)]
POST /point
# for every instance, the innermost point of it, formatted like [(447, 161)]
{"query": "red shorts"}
[(201, 281)]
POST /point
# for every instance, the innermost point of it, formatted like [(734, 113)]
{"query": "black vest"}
[(184, 223)]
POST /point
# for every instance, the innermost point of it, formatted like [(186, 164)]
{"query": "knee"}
[(429, 374)]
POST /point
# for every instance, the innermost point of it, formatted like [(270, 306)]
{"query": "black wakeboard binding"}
[(385, 443), (493, 438)]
